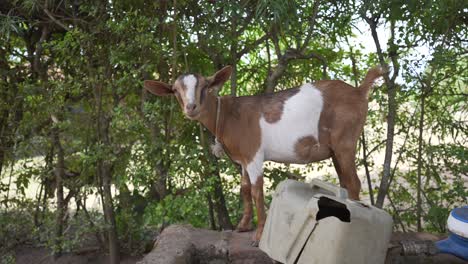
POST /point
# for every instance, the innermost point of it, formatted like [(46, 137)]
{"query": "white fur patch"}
[(190, 81), (300, 118), (255, 167)]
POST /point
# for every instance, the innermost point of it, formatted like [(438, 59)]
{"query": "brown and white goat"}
[(301, 125)]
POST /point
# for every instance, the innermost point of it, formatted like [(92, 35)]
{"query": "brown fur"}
[(272, 104), (305, 148)]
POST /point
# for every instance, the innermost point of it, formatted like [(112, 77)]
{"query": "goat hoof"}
[(244, 226), (254, 243), (242, 229)]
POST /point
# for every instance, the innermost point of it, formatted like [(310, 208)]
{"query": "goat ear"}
[(220, 77), (158, 88)]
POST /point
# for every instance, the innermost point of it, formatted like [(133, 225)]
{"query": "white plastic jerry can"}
[(316, 223)]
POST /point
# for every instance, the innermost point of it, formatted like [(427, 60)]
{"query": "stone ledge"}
[(183, 244)]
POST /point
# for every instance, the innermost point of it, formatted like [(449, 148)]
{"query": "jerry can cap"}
[(461, 214)]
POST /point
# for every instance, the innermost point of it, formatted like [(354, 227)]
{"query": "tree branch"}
[(47, 12), (312, 21), (291, 54), (250, 46)]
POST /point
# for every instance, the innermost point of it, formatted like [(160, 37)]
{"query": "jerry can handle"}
[(337, 191)]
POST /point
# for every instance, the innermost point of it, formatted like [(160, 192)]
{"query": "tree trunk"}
[(97, 234), (3, 121), (211, 212), (104, 174), (363, 137), (174, 43), (384, 184), (224, 220), (234, 79), (219, 202), (208, 195), (59, 176), (392, 107), (159, 188), (7, 197), (8, 123), (233, 54), (38, 206), (421, 126), (366, 168)]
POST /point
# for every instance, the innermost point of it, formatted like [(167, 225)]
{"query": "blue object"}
[(457, 243), (461, 214)]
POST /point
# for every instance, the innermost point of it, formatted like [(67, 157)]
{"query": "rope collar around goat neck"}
[(218, 110)]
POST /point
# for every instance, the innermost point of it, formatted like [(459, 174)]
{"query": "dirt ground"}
[(185, 244), (32, 255)]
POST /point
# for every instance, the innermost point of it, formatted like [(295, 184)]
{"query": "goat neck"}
[(209, 116)]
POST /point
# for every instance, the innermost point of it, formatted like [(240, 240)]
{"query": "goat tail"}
[(371, 76)]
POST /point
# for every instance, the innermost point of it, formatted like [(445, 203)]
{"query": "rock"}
[(241, 251), (172, 246), (180, 244), (395, 251), (183, 244)]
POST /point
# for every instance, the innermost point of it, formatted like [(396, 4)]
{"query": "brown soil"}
[(35, 255), (185, 244)]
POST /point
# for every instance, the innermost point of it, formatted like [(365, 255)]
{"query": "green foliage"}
[(136, 235), (87, 74), (191, 208), (16, 228)]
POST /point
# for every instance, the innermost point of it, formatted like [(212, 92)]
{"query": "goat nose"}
[(190, 107)]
